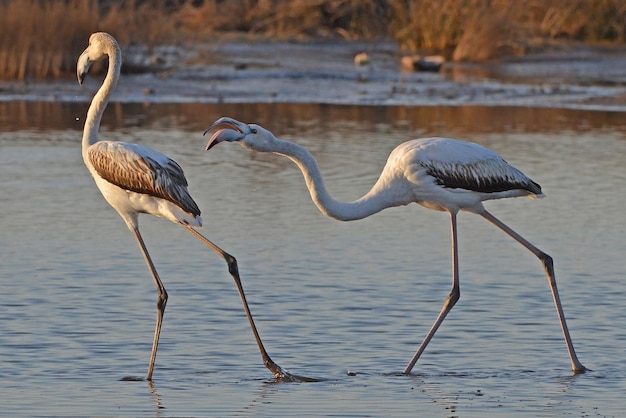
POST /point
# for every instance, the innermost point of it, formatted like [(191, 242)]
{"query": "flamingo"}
[(437, 173), (135, 179)]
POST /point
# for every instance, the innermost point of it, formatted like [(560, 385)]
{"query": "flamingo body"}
[(451, 175), (438, 173), (135, 179)]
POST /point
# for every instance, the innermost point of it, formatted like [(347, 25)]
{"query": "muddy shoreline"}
[(235, 71)]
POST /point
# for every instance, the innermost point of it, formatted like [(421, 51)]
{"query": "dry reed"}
[(41, 38)]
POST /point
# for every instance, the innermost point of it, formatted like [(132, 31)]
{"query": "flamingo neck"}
[(101, 99), (369, 204)]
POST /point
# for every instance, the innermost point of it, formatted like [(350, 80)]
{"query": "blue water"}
[(347, 303)]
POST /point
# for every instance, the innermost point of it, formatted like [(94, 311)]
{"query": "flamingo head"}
[(101, 44), (250, 136)]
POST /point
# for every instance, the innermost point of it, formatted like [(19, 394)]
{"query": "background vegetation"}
[(40, 38)]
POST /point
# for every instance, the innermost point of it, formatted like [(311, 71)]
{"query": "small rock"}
[(431, 63)]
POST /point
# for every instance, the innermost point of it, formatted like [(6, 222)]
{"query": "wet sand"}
[(235, 71)]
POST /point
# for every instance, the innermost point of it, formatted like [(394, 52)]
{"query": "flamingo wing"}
[(142, 170), (466, 165), (487, 176)]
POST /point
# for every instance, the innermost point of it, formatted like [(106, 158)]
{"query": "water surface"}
[(344, 302)]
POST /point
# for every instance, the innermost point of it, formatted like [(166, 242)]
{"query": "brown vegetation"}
[(40, 38)]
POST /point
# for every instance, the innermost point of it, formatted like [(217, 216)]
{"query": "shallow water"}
[(347, 303)]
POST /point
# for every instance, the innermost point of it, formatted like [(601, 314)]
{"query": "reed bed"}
[(41, 38)]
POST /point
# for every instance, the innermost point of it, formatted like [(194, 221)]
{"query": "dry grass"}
[(34, 42), (41, 38), (287, 18), (489, 34), (485, 29)]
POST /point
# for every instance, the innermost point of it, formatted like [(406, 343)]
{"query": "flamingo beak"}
[(226, 129), (83, 65)]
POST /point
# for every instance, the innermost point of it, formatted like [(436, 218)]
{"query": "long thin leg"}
[(278, 372), (453, 297), (161, 301), (548, 266)]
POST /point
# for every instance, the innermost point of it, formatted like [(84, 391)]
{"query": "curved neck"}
[(101, 99), (374, 201)]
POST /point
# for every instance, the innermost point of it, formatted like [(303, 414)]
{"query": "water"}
[(347, 303)]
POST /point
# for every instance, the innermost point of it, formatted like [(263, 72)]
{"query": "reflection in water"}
[(461, 121), (158, 405)]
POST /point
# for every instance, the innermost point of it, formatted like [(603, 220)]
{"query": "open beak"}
[(226, 129)]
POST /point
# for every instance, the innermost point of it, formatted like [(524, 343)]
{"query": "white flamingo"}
[(437, 173), (135, 179)]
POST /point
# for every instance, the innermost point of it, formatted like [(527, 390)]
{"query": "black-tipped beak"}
[(222, 135), (82, 66), (226, 129)]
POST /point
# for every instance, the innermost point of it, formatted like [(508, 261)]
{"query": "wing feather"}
[(487, 176), (465, 165), (142, 170)]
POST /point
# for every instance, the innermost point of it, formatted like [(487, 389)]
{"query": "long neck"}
[(369, 204), (101, 99)]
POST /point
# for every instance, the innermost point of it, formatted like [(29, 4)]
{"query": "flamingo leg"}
[(449, 302), (548, 266), (233, 269), (161, 300)]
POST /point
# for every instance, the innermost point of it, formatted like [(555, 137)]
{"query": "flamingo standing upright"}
[(438, 173), (135, 179)]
